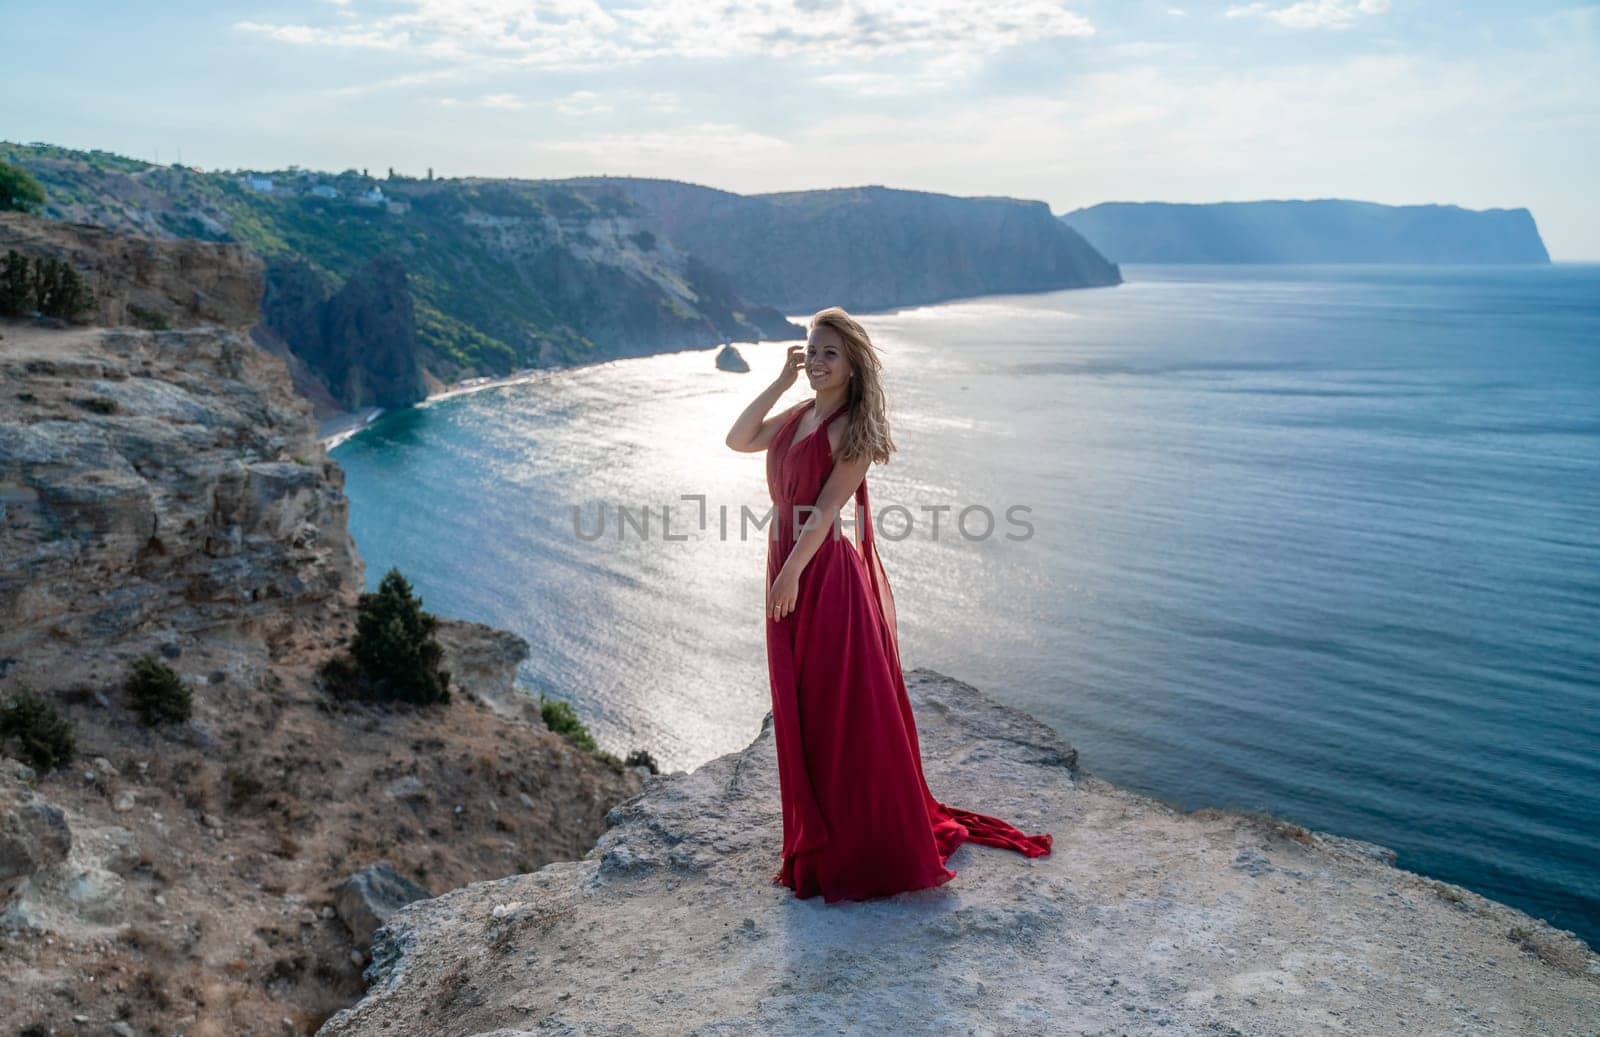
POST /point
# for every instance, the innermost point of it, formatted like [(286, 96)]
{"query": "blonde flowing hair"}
[(867, 424)]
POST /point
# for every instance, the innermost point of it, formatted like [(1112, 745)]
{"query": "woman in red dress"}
[(858, 819)]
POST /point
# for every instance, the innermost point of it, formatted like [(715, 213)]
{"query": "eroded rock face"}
[(159, 478), (1142, 920), (142, 281), (482, 660), (361, 340)]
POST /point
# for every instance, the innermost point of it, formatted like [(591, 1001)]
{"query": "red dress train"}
[(858, 818)]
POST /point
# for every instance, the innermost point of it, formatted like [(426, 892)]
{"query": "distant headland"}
[(1329, 230)]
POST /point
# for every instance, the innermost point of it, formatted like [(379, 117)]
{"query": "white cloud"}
[(582, 102), (369, 39), (503, 102), (394, 82), (1311, 14), (638, 154), (952, 36), (575, 103)]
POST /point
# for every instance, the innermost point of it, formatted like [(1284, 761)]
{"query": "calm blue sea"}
[(1321, 541)]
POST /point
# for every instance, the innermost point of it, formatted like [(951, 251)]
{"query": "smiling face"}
[(826, 365)]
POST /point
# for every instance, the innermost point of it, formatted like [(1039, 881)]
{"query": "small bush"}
[(642, 758), (45, 739), (393, 656), (157, 695), (561, 718), (16, 285), (151, 320), (19, 191), (242, 786), (46, 284)]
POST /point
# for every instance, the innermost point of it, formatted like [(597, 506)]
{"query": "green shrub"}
[(47, 285), (150, 320), (641, 758), (58, 291), (45, 739), (19, 191), (393, 656), (16, 285), (157, 695), (561, 718)]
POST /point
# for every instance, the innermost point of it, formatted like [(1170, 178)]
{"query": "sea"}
[(1320, 541)]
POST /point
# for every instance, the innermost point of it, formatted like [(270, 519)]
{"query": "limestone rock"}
[(59, 873), (34, 835), (179, 283), (482, 660), (1144, 920), (153, 484), (367, 899)]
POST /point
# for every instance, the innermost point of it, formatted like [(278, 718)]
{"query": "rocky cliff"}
[(360, 338), (160, 481), (1327, 230), (868, 248), (1143, 920), (163, 494), (139, 280), (499, 275)]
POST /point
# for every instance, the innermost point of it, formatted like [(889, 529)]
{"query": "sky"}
[(1479, 105)]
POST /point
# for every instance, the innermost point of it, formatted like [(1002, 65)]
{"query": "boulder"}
[(34, 836), (366, 899)]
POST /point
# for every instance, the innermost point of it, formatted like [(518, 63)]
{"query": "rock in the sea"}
[(1144, 920), (366, 899), (728, 359)]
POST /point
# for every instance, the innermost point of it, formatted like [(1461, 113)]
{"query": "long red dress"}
[(858, 819)]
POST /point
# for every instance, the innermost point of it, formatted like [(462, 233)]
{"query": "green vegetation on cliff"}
[(503, 274)]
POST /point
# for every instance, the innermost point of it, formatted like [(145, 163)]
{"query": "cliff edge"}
[(163, 493), (1144, 919)]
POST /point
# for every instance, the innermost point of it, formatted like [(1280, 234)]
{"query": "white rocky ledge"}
[(1144, 919)]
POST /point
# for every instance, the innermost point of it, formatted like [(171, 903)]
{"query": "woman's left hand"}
[(781, 597)]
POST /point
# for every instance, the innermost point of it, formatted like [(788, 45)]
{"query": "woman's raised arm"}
[(754, 431)]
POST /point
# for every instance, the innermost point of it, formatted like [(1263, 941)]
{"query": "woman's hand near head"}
[(793, 361), (755, 431)]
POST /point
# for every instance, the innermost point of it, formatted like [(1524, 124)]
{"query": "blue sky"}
[(1385, 100)]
